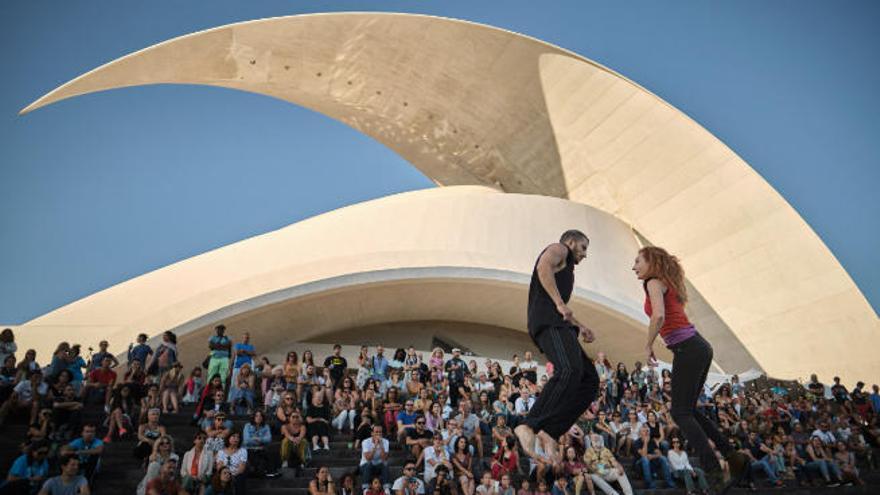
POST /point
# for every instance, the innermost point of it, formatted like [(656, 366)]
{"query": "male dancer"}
[(554, 329)]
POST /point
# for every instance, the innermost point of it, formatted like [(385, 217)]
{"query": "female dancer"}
[(665, 298)]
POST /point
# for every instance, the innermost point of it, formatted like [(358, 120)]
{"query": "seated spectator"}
[(375, 487), (846, 461), (486, 486), (344, 410), (392, 407), (88, 448), (500, 432), (8, 378), (364, 428), (217, 433), (442, 483), (221, 483), (418, 437), (170, 384), (285, 408), (346, 486), (318, 422), (29, 470), (66, 413), (408, 483), (374, 457), (649, 459), (43, 428), (322, 484), (824, 434), (256, 438), (208, 399), (505, 487), (759, 455), (26, 396), (151, 400), (136, 378), (462, 461), (121, 412), (434, 457), (819, 460), (166, 483), (235, 457), (148, 433), (406, 419), (243, 395), (274, 388), (505, 460), (293, 442), (573, 471), (197, 465), (163, 451), (214, 406), (629, 434), (434, 418), (682, 469), (99, 386), (192, 388), (470, 426), (69, 481)]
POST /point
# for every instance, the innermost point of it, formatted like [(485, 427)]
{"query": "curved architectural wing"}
[(472, 104)]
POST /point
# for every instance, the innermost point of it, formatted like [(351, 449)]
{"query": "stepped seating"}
[(121, 472)]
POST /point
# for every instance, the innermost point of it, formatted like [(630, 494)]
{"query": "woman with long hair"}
[(662, 278), (291, 368), (461, 461), (221, 483)]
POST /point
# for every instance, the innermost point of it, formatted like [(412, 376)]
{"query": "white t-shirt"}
[(367, 446), (679, 461), (521, 406), (25, 392), (399, 484), (433, 459), (528, 366), (234, 460)]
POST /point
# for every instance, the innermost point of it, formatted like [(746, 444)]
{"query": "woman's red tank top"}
[(675, 316)]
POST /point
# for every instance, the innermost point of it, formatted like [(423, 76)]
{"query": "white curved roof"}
[(472, 104), (457, 254)]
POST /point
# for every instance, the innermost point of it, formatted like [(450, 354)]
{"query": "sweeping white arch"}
[(472, 104)]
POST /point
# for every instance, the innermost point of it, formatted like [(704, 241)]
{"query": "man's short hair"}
[(220, 327), (574, 235), (336, 346), (66, 458)]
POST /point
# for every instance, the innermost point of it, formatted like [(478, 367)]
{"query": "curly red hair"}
[(665, 267)]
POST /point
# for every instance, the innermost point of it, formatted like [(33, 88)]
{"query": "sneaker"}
[(284, 465), (108, 439), (273, 475), (833, 484), (123, 432)]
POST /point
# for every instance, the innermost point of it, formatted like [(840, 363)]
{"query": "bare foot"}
[(526, 437), (550, 446)]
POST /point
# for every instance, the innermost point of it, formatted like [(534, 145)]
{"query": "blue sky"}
[(101, 188)]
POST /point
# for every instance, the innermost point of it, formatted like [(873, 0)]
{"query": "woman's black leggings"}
[(690, 365)]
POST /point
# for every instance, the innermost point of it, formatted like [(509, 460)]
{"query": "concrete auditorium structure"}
[(527, 140)]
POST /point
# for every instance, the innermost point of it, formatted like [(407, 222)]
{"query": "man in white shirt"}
[(529, 368), (374, 458), (823, 433), (434, 456), (523, 403), (408, 484), (484, 385), (26, 395)]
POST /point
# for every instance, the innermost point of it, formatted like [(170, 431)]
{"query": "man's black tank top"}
[(542, 310)]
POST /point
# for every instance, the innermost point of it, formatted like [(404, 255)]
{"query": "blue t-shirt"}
[(875, 401), (221, 353), (80, 444), (21, 469), (406, 418), (140, 353), (240, 360), (76, 369)]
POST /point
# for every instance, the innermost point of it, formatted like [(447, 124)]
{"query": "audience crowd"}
[(449, 417)]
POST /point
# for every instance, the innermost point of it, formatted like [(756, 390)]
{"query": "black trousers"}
[(690, 365), (570, 390)]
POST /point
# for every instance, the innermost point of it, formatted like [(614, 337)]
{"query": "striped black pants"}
[(570, 390)]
